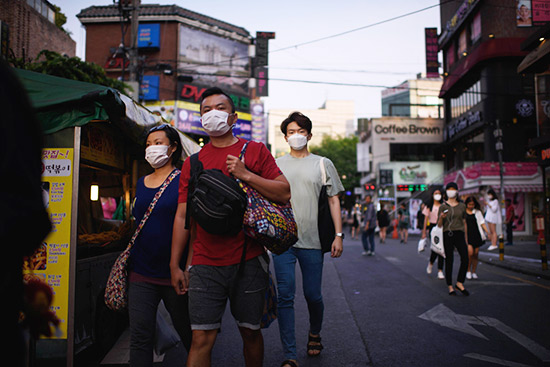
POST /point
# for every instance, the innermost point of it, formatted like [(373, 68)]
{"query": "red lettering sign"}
[(116, 63), (545, 154), (191, 92)]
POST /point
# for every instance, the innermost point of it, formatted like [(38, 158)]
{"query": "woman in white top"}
[(493, 218), (431, 212), (475, 235)]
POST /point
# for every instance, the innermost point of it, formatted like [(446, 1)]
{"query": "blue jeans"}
[(311, 264), (368, 240)]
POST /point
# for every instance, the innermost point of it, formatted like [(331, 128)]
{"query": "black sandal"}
[(289, 362), (311, 347)]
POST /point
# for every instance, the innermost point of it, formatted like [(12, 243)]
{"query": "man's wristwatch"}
[(340, 234)]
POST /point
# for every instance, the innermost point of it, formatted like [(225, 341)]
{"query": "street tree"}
[(53, 63), (342, 151)]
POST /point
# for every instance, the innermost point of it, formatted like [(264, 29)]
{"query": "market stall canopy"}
[(62, 103)]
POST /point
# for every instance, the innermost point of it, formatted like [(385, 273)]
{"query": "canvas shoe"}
[(440, 275), (474, 276), (429, 268), (468, 275), (492, 247)]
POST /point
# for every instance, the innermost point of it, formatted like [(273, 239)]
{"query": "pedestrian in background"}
[(476, 227), (211, 275), (370, 226), (510, 215), (383, 222), (24, 222), (303, 171), (431, 212), (403, 219), (149, 272), (356, 221), (452, 217), (493, 218)]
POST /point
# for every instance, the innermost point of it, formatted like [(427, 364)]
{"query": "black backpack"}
[(214, 200)]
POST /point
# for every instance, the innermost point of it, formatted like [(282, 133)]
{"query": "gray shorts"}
[(211, 286)]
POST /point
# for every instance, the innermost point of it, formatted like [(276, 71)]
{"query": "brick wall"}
[(101, 37), (30, 32)]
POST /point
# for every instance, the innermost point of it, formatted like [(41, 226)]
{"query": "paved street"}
[(386, 311)]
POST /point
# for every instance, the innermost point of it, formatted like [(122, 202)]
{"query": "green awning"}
[(62, 103)]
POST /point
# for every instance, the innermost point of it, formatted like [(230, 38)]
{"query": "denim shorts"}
[(211, 286)]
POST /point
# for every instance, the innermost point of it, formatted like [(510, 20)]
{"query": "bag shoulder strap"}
[(152, 205), (195, 168), (323, 172)]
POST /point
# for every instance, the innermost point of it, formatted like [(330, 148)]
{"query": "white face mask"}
[(297, 141), (157, 155), (437, 197), (215, 123), (451, 193)]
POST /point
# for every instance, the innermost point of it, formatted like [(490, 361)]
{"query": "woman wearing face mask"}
[(452, 217), (149, 274), (431, 212), (493, 218), (476, 234)]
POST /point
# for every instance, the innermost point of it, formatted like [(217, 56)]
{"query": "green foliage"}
[(343, 153), (60, 18), (52, 63)]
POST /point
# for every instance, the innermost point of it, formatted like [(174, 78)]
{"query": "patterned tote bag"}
[(272, 225)]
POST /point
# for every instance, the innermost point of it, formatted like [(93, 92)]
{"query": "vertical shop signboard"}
[(50, 262)]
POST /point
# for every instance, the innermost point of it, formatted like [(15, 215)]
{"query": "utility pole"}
[(499, 147), (134, 25)]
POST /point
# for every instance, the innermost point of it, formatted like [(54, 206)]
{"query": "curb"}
[(484, 258)]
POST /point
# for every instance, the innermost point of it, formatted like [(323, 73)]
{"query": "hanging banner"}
[(432, 65), (50, 262)]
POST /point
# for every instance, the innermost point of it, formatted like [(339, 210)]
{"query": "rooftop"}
[(88, 15)]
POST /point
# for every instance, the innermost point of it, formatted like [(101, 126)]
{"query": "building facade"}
[(487, 102), (180, 54), (28, 27), (417, 98), (335, 118)]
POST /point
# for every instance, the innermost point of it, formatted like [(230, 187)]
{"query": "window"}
[(450, 56), (475, 28), (462, 43), (413, 152)]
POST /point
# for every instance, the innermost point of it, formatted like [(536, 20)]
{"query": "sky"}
[(375, 56)]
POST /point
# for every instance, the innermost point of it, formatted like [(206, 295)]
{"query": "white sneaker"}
[(474, 276), (468, 275), (492, 247), (372, 253), (440, 275), (365, 253), (429, 268)]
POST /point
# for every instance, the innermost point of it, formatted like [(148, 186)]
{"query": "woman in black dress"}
[(476, 228), (383, 222)]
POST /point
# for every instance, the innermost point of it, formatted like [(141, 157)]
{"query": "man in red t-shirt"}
[(210, 275)]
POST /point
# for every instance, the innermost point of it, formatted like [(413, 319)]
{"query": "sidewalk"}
[(523, 257)]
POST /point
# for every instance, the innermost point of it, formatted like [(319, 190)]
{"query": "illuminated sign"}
[(193, 93), (412, 187)]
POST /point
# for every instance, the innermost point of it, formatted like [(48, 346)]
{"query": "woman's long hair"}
[(474, 200)]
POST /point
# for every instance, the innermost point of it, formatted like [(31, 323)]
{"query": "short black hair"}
[(302, 120), (172, 135), (215, 91)]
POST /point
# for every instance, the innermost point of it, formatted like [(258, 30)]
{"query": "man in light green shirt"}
[(303, 171)]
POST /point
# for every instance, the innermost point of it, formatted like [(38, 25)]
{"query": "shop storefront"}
[(92, 157), (522, 185)]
